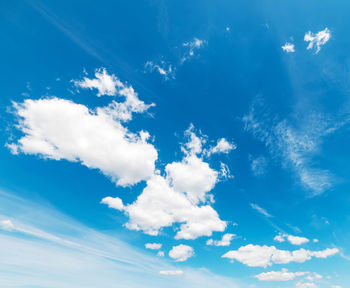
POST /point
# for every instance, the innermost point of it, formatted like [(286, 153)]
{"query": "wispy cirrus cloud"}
[(294, 144)]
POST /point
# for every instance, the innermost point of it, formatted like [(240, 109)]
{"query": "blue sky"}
[(174, 144)]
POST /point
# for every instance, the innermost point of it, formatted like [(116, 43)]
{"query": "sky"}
[(175, 144)]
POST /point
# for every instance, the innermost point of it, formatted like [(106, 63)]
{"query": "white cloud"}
[(171, 272), (276, 276), (306, 285), (294, 145), (181, 252), (160, 253), (194, 145), (159, 205), (263, 256), (153, 246), (295, 240), (193, 177), (164, 69), (115, 203), (181, 196), (110, 85), (222, 146), (288, 47), (318, 39), (225, 241), (192, 46), (260, 210), (60, 129), (336, 286), (104, 83), (7, 225)]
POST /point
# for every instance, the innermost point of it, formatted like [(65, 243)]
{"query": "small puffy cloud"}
[(7, 225), (277, 276), (260, 210), (181, 252), (153, 246), (295, 240), (263, 256), (222, 146), (115, 203), (171, 272), (160, 253), (288, 47), (104, 83), (61, 129), (315, 240), (194, 145), (164, 69), (225, 241), (318, 39)]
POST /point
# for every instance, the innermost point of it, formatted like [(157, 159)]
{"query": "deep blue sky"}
[(287, 113)]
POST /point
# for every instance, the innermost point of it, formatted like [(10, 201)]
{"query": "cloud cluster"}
[(295, 240), (225, 241), (181, 252), (263, 256), (277, 276), (318, 39), (182, 195)]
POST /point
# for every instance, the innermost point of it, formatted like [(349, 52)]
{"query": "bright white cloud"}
[(193, 177), (7, 225), (153, 246), (159, 205), (104, 83), (318, 39), (110, 85), (60, 129), (288, 47), (171, 272), (222, 146), (260, 210), (181, 252), (225, 241), (276, 276), (295, 240), (181, 196), (160, 253), (115, 203), (263, 256)]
